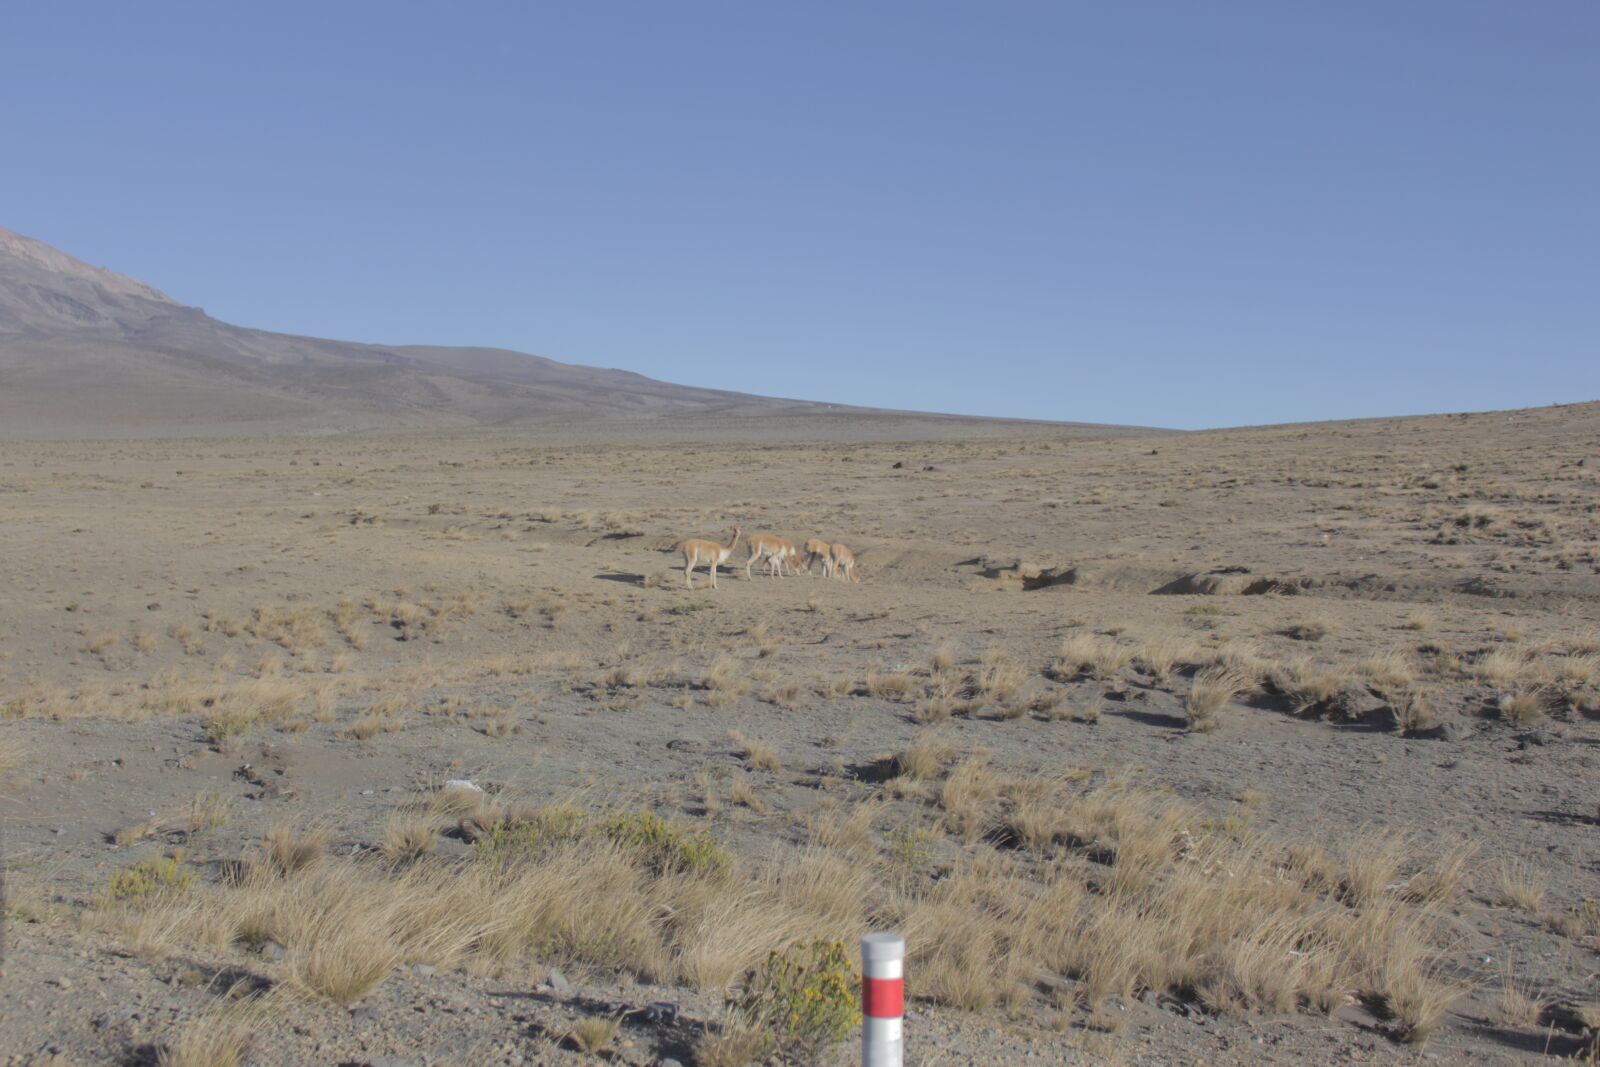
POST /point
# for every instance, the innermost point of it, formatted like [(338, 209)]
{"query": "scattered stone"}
[(465, 785), (273, 951), (423, 970), (391, 1061), (153, 606), (1354, 703), (558, 981)]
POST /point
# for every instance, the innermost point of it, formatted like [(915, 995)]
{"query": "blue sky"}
[(1176, 214)]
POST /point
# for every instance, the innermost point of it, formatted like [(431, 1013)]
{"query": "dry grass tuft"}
[(1092, 654), (1414, 713), (1391, 670), (998, 679), (742, 794), (1306, 683), (209, 810), (1503, 667), (735, 1043), (407, 838), (136, 832), (1213, 689), (1159, 658), (286, 851), (1522, 709), (1445, 881), (1409, 986), (724, 676), (923, 758), (1520, 885), (1518, 1006), (898, 685), (593, 1034), (220, 1038), (967, 797), (757, 755)]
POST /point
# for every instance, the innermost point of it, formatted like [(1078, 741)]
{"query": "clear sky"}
[(1181, 214)]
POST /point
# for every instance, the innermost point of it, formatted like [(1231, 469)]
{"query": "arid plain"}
[(1270, 745)]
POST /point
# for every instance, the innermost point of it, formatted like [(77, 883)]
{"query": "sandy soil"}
[(509, 607)]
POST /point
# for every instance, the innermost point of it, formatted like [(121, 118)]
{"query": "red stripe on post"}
[(883, 998)]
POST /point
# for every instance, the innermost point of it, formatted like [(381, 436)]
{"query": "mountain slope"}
[(88, 352)]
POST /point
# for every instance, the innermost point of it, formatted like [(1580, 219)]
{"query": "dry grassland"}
[(1154, 747)]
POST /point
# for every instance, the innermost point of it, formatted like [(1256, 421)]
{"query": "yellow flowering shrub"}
[(803, 1000)]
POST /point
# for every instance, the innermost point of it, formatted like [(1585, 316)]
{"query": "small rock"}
[(391, 1061), (273, 951), (462, 784), (668, 1061), (558, 981), (364, 1015), (153, 606), (1355, 702), (422, 970)]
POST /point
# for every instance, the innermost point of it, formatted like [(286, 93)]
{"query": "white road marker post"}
[(883, 1000)]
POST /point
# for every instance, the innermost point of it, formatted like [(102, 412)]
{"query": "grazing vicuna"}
[(778, 553), (842, 563)]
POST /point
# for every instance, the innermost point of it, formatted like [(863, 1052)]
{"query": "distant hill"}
[(85, 352)]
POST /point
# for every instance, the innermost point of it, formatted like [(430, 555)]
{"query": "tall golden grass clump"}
[(1092, 654), (1213, 689)]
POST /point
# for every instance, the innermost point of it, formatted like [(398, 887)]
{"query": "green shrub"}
[(149, 878), (666, 847), (528, 836), (662, 846)]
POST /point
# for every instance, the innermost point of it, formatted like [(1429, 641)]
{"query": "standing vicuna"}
[(696, 552), (818, 549)]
